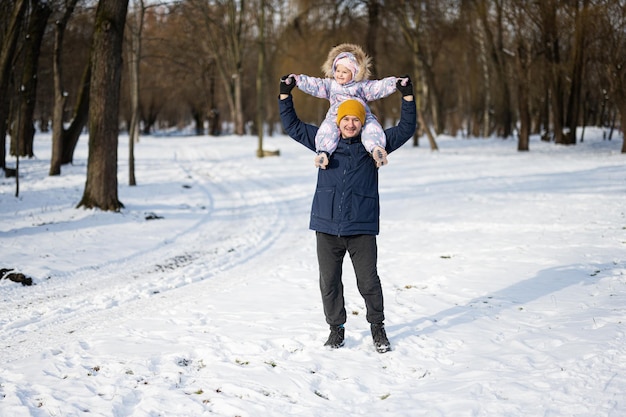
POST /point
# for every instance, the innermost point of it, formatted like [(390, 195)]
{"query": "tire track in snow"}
[(243, 220)]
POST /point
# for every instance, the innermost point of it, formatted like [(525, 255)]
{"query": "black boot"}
[(336, 336), (381, 343)]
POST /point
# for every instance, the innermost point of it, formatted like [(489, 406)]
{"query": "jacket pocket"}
[(323, 202), (364, 208)]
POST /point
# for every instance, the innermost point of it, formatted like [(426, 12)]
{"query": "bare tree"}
[(24, 130), (74, 63), (224, 37), (162, 69), (503, 116), (523, 60), (80, 117), (409, 16), (611, 55), (577, 68), (60, 96), (135, 29), (9, 45), (477, 65), (181, 85), (101, 185), (260, 81), (550, 39)]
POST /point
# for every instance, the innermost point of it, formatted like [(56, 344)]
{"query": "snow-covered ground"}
[(504, 276)]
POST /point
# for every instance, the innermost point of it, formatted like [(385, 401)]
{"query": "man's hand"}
[(405, 86), (287, 83)]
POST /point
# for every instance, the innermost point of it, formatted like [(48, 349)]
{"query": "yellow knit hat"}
[(351, 108)]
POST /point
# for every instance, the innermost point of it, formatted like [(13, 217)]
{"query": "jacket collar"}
[(355, 139)]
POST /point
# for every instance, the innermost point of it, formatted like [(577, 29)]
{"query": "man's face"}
[(350, 126)]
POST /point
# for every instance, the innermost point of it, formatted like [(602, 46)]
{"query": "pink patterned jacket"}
[(363, 91)]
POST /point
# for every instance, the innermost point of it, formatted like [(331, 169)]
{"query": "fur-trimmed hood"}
[(352, 51)]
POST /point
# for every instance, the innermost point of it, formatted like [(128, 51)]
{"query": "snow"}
[(504, 276)]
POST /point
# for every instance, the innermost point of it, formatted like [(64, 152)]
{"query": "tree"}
[(24, 131), (611, 56), (260, 84), (503, 115), (409, 16), (180, 86), (9, 44), (224, 35), (135, 29), (60, 97), (263, 69), (478, 66), (104, 97), (550, 39), (523, 60), (80, 117), (160, 66), (577, 68)]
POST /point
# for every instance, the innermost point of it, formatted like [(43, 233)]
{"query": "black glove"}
[(287, 83), (407, 88)]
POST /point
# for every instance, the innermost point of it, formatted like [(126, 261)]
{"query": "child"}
[(347, 69)]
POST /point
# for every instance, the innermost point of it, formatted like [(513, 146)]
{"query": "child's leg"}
[(327, 137), (373, 135), (374, 140), (326, 140)]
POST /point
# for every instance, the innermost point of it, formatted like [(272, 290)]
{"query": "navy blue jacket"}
[(346, 199)]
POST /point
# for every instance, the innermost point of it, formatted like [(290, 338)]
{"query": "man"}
[(345, 210)]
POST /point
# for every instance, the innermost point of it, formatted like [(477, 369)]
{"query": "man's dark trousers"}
[(363, 253)]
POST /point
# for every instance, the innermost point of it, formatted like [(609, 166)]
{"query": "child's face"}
[(342, 74)]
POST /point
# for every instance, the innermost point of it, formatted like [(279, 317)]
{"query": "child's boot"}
[(380, 156)]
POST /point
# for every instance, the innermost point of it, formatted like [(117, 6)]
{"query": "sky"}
[(504, 275)]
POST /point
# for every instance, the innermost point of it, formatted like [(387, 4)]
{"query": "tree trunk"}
[(430, 87), (618, 83), (59, 93), (524, 115), (134, 52), (410, 33), (573, 107), (238, 109), (371, 36), (503, 114), (9, 44), (623, 112), (149, 115), (553, 63), (101, 186), (25, 129), (484, 63), (523, 61), (214, 113), (81, 114), (545, 110), (59, 100), (418, 96), (226, 42), (198, 118), (260, 96)]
